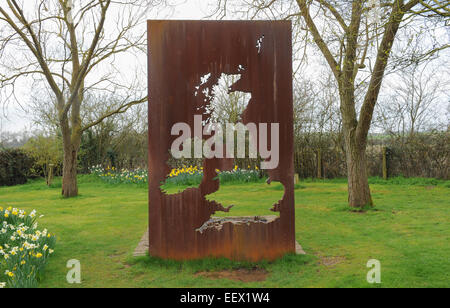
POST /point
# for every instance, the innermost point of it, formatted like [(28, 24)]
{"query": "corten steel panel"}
[(180, 53)]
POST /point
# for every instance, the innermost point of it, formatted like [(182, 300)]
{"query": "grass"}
[(408, 232)]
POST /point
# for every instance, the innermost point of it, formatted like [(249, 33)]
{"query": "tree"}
[(357, 36), (412, 101), (356, 39), (70, 51)]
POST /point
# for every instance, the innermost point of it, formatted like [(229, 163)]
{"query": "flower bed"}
[(24, 250), (191, 175), (114, 176)]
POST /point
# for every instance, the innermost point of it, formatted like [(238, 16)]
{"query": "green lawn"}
[(408, 233)]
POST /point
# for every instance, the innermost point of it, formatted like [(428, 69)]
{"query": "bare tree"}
[(70, 50), (414, 96), (356, 39)]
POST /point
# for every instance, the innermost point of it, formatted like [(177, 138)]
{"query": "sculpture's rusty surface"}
[(180, 53)]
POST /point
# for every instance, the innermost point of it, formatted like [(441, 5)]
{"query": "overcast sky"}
[(13, 118)]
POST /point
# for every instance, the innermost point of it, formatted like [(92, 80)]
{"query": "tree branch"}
[(121, 109), (391, 28), (34, 46), (318, 38), (335, 13), (87, 60)]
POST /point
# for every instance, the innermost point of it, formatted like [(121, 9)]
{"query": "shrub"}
[(45, 151), (15, 167)]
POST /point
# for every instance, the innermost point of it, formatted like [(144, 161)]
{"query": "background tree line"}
[(413, 131)]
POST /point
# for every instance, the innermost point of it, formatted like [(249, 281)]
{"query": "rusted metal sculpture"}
[(181, 52)]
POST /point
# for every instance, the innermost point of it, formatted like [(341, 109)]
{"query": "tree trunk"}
[(69, 180), (355, 151), (71, 144), (358, 184)]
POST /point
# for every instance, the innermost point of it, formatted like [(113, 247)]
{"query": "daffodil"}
[(9, 274)]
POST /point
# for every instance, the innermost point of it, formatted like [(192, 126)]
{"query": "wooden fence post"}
[(385, 171), (296, 179), (50, 174), (319, 163)]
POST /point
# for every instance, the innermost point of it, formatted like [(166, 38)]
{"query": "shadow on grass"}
[(362, 210), (288, 263)]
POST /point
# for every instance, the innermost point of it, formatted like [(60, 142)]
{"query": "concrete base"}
[(298, 249), (142, 248)]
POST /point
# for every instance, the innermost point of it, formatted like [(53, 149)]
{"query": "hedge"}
[(15, 166)]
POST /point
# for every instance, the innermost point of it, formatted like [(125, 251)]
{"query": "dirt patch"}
[(117, 255), (243, 275), (364, 211), (331, 261), (430, 187), (359, 212)]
